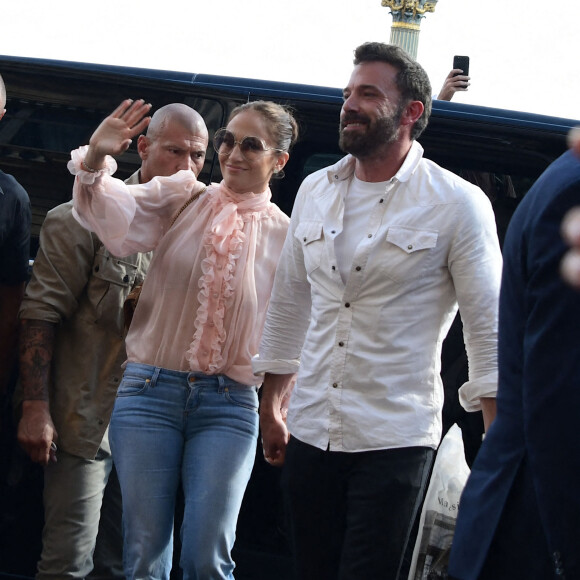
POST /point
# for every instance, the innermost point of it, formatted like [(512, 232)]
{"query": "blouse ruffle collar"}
[(225, 244)]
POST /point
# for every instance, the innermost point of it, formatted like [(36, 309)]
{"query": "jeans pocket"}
[(133, 385), (246, 397)]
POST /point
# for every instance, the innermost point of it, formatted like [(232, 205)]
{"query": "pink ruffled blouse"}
[(204, 300)]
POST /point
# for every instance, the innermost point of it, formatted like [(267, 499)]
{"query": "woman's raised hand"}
[(113, 136)]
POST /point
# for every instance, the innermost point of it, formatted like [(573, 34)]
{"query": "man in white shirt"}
[(383, 248)]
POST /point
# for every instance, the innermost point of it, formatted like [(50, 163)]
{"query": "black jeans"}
[(351, 514)]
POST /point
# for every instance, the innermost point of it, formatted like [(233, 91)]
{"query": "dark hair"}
[(282, 126), (412, 80)]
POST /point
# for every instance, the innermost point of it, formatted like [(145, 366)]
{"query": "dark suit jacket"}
[(536, 435)]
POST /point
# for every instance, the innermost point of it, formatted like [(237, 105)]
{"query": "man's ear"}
[(412, 113), (143, 147)]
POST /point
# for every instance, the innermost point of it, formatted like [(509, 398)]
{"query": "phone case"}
[(461, 62)]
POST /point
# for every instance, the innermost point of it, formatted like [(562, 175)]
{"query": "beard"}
[(381, 132)]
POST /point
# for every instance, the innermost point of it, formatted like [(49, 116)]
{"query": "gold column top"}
[(409, 11)]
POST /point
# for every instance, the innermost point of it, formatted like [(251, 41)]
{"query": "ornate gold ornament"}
[(409, 9)]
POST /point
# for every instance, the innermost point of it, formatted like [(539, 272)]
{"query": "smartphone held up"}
[(461, 62)]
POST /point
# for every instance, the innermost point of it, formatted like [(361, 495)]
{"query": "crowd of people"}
[(337, 313)]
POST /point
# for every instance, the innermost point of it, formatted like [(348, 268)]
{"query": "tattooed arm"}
[(36, 430)]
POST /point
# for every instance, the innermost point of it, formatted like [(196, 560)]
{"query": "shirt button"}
[(410, 247), (304, 239), (333, 231), (369, 235), (381, 201), (358, 268), (334, 385), (125, 278), (347, 305), (341, 343), (334, 267), (215, 294)]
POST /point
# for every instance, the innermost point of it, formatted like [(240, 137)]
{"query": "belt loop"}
[(155, 376), (221, 383)]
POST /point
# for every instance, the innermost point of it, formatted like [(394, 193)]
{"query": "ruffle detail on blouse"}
[(88, 177), (223, 286), (224, 243)]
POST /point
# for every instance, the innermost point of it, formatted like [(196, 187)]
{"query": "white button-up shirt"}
[(368, 351)]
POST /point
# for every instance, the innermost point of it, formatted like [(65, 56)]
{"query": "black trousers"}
[(351, 514)]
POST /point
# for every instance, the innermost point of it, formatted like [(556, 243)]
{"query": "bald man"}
[(72, 349), (176, 139)]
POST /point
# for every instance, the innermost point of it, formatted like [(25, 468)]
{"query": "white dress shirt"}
[(368, 351)]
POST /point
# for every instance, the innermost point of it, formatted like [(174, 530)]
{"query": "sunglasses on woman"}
[(251, 148)]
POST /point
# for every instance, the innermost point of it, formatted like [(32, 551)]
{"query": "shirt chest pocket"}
[(311, 238), (111, 280), (408, 252)]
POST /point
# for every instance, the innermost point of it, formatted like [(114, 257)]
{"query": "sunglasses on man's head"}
[(251, 148)]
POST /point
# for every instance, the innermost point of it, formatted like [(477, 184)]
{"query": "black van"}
[(53, 107)]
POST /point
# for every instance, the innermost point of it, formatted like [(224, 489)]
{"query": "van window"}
[(36, 139), (319, 161)]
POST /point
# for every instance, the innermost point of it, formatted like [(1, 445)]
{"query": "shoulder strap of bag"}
[(189, 201), (133, 298)]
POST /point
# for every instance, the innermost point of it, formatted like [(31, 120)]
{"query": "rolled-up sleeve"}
[(61, 268), (475, 265)]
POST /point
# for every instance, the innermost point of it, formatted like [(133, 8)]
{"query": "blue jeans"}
[(169, 426)]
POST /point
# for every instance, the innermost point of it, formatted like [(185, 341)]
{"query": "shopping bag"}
[(439, 513)]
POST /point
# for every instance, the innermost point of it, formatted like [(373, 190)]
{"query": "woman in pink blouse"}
[(186, 409)]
